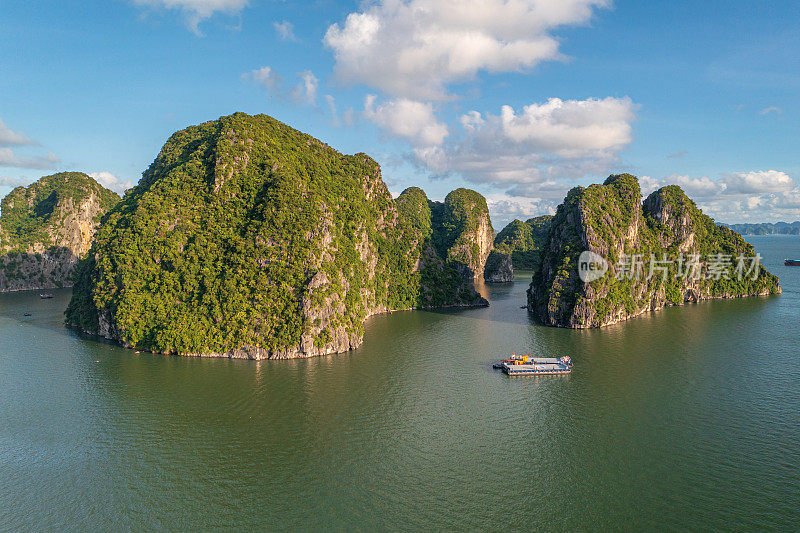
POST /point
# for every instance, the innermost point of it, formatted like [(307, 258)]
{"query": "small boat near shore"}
[(518, 365), (45, 296), (791, 262)]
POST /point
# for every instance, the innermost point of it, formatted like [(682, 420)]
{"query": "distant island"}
[(246, 238), (523, 241), (767, 228), (46, 227), (696, 259)]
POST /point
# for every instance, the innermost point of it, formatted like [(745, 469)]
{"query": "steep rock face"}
[(499, 268), (247, 238), (46, 227), (610, 221), (462, 231), (523, 241), (452, 244)]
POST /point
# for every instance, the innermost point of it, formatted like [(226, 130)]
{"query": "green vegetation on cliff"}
[(462, 230), (457, 228), (455, 221), (611, 221), (248, 238), (524, 240), (28, 214), (415, 208), (46, 226)]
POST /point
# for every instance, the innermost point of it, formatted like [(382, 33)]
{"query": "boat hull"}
[(532, 370), (792, 262)]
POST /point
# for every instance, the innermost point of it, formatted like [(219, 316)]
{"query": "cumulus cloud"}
[(504, 208), (331, 101), (702, 187), (12, 182), (196, 11), (406, 119), (285, 30), (9, 159), (759, 195), (760, 181), (347, 118), (266, 77), (414, 48), (110, 181), (533, 151), (757, 182), (305, 92), (9, 137)]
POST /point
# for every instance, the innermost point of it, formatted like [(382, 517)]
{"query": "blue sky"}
[(518, 99)]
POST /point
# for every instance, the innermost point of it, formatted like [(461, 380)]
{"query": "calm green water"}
[(686, 418)]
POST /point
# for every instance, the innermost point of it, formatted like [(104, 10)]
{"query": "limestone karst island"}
[(399, 265), (246, 238)]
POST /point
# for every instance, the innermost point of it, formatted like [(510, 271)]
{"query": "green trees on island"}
[(611, 221), (29, 214), (46, 226), (248, 238), (523, 241)]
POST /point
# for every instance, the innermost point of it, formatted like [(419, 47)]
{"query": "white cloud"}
[(415, 48), (702, 187), (13, 182), (196, 11), (762, 195), (571, 128), (110, 181), (760, 181), (771, 109), (9, 137), (532, 151), (756, 182), (407, 119), (331, 101), (347, 118), (285, 30), (266, 77), (305, 92), (9, 159), (504, 208), (649, 184)]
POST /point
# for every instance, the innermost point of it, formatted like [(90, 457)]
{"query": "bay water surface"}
[(686, 418)]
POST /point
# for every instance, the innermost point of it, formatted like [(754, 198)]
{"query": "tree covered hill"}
[(248, 238), (524, 240), (46, 226), (695, 258)]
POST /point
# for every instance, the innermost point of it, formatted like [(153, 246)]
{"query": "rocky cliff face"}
[(247, 238), (462, 231), (46, 227), (499, 268), (660, 253)]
